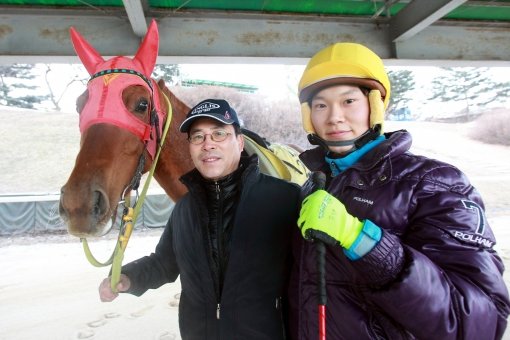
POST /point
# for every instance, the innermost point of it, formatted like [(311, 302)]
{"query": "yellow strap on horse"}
[(129, 219)]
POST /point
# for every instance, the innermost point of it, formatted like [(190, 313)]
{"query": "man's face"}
[(340, 113), (215, 160)]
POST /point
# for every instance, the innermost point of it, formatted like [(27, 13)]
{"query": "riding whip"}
[(319, 182)]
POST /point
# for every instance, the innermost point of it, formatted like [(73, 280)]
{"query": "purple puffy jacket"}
[(433, 275)]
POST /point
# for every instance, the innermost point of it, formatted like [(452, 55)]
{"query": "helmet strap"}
[(357, 143), (368, 136), (316, 140)]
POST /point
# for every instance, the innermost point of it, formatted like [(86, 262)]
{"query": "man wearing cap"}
[(227, 238)]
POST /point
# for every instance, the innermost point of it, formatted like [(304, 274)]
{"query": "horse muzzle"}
[(89, 216)]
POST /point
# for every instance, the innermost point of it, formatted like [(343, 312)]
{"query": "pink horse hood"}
[(110, 78)]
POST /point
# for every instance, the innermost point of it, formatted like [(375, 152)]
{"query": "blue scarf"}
[(338, 165)]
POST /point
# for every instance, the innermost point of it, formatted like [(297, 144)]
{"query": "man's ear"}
[(241, 141)]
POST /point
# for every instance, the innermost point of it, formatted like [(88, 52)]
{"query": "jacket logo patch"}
[(474, 239), (363, 200), (480, 228)]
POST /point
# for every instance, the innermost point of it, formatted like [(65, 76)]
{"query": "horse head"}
[(122, 113)]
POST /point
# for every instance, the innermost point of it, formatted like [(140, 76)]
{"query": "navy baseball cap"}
[(218, 109)]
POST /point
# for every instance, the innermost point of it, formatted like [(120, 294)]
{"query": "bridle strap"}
[(122, 243), (129, 217), (155, 122), (135, 181), (123, 71)]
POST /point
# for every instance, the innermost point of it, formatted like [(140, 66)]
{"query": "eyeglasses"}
[(198, 138)]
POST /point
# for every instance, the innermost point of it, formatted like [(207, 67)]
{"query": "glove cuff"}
[(368, 238)]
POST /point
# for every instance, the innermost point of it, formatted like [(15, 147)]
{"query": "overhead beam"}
[(418, 15), (134, 10), (240, 37)]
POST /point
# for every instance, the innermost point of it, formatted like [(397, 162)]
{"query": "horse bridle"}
[(130, 213), (153, 121)]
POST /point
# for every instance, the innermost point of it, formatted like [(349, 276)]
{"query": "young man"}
[(227, 238), (409, 252)]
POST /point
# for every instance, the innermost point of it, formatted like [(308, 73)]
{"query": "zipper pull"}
[(218, 311), (217, 190)]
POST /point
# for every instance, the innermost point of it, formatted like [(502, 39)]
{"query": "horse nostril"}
[(100, 206), (61, 209)]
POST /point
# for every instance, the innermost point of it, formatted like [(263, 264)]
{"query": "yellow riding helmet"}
[(345, 63)]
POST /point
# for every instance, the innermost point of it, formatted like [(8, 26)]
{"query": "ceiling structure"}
[(417, 32)]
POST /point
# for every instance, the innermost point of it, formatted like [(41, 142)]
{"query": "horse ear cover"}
[(145, 56), (148, 51), (87, 54)]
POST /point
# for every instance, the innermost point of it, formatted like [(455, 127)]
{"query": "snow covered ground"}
[(49, 291)]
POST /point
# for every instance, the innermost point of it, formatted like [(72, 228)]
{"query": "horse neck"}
[(174, 160)]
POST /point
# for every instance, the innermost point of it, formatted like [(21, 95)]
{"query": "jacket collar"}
[(247, 165), (339, 164), (396, 143)]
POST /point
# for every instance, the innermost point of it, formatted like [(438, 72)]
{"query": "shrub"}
[(493, 127)]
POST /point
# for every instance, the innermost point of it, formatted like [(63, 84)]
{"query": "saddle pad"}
[(290, 158), (279, 161)]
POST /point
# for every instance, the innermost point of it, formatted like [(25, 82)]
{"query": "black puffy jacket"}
[(249, 305)]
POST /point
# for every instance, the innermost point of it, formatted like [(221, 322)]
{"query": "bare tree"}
[(54, 98), (275, 121)]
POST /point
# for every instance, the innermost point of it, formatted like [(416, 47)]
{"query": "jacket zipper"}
[(220, 250)]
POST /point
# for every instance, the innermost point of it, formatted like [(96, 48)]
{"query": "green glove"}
[(325, 218)]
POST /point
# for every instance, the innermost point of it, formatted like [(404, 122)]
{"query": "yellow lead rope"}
[(128, 219)]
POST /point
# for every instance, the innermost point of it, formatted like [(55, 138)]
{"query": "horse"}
[(122, 114)]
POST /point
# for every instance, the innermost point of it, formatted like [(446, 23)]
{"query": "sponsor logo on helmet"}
[(204, 107)]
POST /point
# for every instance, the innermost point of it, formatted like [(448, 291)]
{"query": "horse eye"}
[(142, 106)]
